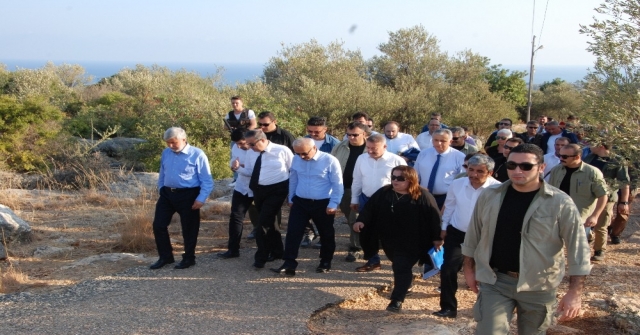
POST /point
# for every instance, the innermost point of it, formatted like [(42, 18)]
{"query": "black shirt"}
[(282, 137), (505, 254), (565, 185), (354, 153)]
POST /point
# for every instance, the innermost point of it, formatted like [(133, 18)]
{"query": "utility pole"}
[(531, 69)]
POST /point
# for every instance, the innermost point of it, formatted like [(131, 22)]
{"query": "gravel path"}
[(214, 297)]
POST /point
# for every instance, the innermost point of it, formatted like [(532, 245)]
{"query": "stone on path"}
[(11, 226)]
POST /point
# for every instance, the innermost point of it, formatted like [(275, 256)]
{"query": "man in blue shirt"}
[(315, 191), (184, 184)]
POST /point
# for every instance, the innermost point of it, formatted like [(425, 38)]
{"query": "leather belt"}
[(177, 190)]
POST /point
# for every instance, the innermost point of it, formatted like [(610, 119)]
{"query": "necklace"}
[(398, 199)]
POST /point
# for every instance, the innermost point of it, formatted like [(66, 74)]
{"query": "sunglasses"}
[(532, 127), (353, 135), (501, 138), (314, 131), (264, 124), (508, 147), (465, 166), (567, 156), (523, 166), (455, 138), (304, 154), (505, 123), (398, 178)]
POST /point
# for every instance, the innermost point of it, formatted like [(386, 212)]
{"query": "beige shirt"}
[(586, 186), (551, 222)]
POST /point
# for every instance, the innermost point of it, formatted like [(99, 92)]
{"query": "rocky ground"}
[(76, 238)]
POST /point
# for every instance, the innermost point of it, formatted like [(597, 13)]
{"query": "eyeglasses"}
[(567, 156), (532, 127), (264, 124), (501, 138), (505, 123), (304, 154), (508, 147), (398, 178), (523, 166), (254, 143), (353, 135)]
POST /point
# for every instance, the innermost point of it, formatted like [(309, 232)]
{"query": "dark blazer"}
[(545, 138)]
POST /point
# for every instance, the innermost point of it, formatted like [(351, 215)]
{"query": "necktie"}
[(255, 174), (432, 177)]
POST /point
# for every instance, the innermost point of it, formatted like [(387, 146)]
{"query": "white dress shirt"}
[(370, 174), (275, 166), (424, 141), (401, 143), (551, 160), (242, 182), (461, 199), (451, 162), (551, 142)]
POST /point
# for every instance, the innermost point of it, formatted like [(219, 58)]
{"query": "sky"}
[(252, 31)]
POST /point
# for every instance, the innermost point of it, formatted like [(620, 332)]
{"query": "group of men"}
[(510, 244)]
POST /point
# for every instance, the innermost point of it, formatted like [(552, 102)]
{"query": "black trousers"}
[(450, 268), (239, 206), (301, 211), (178, 201), (402, 266), (268, 200)]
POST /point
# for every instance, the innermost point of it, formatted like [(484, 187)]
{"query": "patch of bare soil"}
[(611, 301)]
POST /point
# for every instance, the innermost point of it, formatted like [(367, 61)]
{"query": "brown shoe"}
[(368, 267)]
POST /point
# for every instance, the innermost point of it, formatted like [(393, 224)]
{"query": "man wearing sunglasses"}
[(317, 131), (553, 159), (582, 182), (268, 168), (531, 135), (459, 141), (276, 134), (347, 152), (500, 172), (514, 250), (315, 190)]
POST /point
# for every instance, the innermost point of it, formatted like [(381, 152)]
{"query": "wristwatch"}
[(623, 203)]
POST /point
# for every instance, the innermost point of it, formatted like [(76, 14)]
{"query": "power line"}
[(544, 18)]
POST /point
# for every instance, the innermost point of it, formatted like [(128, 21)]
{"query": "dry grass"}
[(13, 279), (216, 208), (136, 234), (11, 200)]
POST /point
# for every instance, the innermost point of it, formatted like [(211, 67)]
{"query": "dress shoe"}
[(258, 265), (185, 264), (228, 254), (353, 256), (252, 235), (323, 268), (368, 267), (160, 263), (284, 271), (394, 306), (446, 313)]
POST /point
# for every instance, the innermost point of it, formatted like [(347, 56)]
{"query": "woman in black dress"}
[(405, 219)]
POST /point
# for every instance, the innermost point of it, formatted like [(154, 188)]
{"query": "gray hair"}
[(303, 142), (443, 132), (258, 134), (174, 132), (505, 132), (482, 160), (552, 123), (377, 138), (458, 130)]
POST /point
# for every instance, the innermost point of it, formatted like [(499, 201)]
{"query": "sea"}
[(235, 73)]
